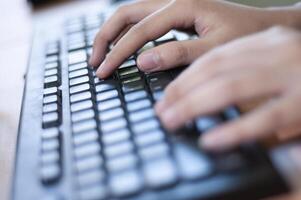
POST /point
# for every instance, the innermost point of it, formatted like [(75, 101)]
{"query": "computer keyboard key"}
[(126, 183), (51, 72), (107, 95), (135, 95), (50, 145), (52, 65), (50, 119), (206, 123), (52, 58), (145, 126), (113, 125), (152, 137), (109, 104), (80, 96), (128, 71), (83, 126), (79, 80), (138, 105), (95, 192), (154, 151), (79, 88), (128, 63), (131, 79), (80, 106), (77, 57), (89, 163), (50, 99), (104, 87), (231, 113), (158, 95), (231, 162), (52, 107), (50, 173), (78, 66), (160, 173), (50, 157), (50, 91), (83, 115), (111, 114), (133, 86), (76, 46), (121, 163), (116, 136), (77, 73), (141, 115), (90, 178), (165, 38), (146, 47), (125, 147), (50, 133), (199, 165), (85, 137), (88, 149), (51, 81)]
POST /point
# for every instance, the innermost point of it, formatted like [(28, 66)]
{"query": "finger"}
[(263, 121), (172, 54), (123, 32), (125, 15), (141, 33), (218, 94)]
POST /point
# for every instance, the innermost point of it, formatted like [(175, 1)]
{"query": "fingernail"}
[(148, 61), (101, 71)]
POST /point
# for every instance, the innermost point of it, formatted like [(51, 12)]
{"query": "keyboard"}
[(85, 138)]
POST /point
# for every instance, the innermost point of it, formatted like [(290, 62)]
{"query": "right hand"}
[(215, 22)]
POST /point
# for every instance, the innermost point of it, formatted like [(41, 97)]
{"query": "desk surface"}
[(15, 37)]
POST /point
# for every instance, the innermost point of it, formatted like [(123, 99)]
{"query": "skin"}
[(215, 22)]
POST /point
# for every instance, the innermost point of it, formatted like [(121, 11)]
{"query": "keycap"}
[(138, 105), (52, 107), (165, 38), (51, 81), (83, 115), (52, 49), (128, 63), (131, 80), (153, 173), (88, 163), (50, 99), (95, 192), (146, 47), (180, 36), (119, 149), (109, 104), (90, 178), (158, 95), (133, 86), (141, 115), (125, 183), (231, 161), (76, 46), (78, 66), (206, 123), (106, 95), (51, 58), (199, 165), (155, 136), (80, 96), (145, 126), (158, 81), (50, 157), (128, 71), (79, 80), (87, 150), (50, 145), (50, 133), (79, 88), (116, 136), (135, 95), (51, 72), (231, 113), (52, 65), (111, 114), (83, 105), (77, 57), (113, 125), (78, 73), (154, 151), (84, 126), (121, 163), (50, 118), (85, 137), (49, 91), (50, 173), (104, 87)]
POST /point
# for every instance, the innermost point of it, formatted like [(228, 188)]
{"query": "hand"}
[(215, 22), (262, 65)]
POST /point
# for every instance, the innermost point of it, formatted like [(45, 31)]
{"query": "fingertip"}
[(148, 61), (169, 120), (216, 141)]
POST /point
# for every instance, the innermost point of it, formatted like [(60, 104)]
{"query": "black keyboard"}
[(86, 138)]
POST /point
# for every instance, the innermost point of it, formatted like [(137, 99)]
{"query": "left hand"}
[(267, 64)]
